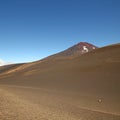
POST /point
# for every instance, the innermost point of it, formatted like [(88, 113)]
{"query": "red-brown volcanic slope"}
[(83, 87)]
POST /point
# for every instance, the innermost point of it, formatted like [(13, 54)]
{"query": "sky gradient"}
[(33, 29)]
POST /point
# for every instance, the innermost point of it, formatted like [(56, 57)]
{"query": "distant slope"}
[(72, 52), (6, 68)]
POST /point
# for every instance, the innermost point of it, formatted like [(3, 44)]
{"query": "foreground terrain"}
[(26, 103)]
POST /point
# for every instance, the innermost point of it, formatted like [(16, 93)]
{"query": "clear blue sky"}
[(33, 29)]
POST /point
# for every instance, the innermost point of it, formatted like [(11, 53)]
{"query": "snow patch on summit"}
[(85, 49)]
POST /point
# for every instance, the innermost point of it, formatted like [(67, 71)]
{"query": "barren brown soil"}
[(24, 103), (83, 87)]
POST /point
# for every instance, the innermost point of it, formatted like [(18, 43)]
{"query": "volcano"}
[(78, 49)]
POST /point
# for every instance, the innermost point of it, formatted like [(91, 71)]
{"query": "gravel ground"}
[(24, 105)]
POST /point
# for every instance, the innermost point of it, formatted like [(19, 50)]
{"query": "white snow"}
[(85, 49)]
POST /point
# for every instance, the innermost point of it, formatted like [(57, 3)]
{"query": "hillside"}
[(87, 83)]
